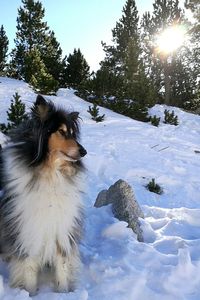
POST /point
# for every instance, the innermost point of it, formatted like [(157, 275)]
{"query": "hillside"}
[(115, 265)]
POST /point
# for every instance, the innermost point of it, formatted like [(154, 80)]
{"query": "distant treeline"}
[(134, 74)]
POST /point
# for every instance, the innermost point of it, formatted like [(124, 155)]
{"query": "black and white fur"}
[(41, 209)]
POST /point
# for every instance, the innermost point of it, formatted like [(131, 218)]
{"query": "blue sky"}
[(76, 23)]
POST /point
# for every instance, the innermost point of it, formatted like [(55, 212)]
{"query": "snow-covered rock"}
[(124, 205)]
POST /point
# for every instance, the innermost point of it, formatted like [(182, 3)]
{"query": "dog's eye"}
[(62, 132)]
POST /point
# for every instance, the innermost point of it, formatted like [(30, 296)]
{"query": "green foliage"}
[(122, 74), (153, 187), (94, 112), (105, 83), (16, 65), (37, 74), (155, 120), (130, 108), (30, 33), (3, 48), (15, 114), (192, 105), (138, 111), (125, 33), (30, 27), (33, 38), (170, 118), (173, 74), (123, 61), (44, 83), (4, 128), (140, 88), (77, 70), (51, 54), (133, 67), (194, 7)]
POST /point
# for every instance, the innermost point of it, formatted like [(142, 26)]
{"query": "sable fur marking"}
[(41, 212)]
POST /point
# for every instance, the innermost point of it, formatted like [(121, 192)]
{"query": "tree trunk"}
[(167, 83)]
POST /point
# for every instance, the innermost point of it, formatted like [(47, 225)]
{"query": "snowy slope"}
[(115, 265)]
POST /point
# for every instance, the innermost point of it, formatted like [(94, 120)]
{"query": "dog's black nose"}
[(82, 151)]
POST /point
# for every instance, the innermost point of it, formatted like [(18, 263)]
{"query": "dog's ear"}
[(41, 108), (74, 115), (40, 100)]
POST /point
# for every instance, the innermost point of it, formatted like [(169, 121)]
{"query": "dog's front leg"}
[(62, 274), (66, 269), (24, 274)]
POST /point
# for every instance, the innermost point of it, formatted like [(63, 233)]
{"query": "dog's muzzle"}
[(82, 151)]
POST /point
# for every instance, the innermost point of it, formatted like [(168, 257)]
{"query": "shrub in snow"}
[(16, 114), (3, 128), (155, 120), (124, 205), (130, 108), (17, 111), (94, 112), (153, 187), (170, 118), (192, 105), (138, 111)]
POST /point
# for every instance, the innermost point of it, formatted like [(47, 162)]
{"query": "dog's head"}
[(57, 132)]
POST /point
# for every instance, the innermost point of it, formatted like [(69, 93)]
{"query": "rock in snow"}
[(124, 205)]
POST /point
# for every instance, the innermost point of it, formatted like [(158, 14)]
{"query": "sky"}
[(77, 24)]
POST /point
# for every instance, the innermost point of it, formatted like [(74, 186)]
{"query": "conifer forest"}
[(142, 66)]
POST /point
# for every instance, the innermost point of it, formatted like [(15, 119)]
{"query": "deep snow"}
[(115, 265)]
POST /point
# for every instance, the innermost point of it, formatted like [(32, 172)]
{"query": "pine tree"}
[(155, 120), (31, 29), (3, 48), (171, 72), (37, 74), (44, 83), (77, 70), (15, 114), (34, 34), (150, 61), (124, 57), (51, 54), (183, 78), (194, 7), (30, 33), (170, 118), (94, 112), (17, 111), (125, 31), (105, 83)]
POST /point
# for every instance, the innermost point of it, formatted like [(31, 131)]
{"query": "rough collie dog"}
[(41, 208)]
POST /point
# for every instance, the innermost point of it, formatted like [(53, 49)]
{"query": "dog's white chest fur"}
[(46, 211)]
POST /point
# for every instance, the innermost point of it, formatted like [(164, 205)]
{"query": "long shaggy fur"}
[(41, 210)]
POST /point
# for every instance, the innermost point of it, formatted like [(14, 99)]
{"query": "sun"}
[(171, 39)]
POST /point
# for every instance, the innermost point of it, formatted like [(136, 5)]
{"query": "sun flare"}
[(171, 39)]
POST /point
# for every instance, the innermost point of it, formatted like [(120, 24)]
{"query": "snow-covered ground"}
[(115, 265)]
